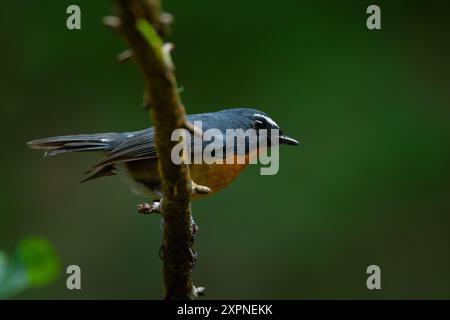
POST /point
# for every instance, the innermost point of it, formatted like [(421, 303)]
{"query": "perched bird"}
[(135, 151)]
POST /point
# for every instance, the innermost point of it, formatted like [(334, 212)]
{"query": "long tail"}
[(77, 143)]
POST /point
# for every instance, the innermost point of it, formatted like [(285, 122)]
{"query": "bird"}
[(133, 154)]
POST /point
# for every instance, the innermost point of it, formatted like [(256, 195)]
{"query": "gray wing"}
[(136, 146), (140, 145)]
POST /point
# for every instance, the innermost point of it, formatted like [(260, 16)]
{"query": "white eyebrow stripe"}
[(270, 121)]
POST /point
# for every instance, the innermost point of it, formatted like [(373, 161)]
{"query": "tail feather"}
[(77, 143)]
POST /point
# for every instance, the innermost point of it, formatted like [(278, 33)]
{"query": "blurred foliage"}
[(369, 184), (40, 260), (34, 263)]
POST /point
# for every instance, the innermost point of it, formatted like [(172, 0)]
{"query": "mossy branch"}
[(142, 23)]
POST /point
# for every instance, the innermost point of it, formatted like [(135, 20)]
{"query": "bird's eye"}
[(258, 124)]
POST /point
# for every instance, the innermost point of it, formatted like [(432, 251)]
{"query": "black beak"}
[(288, 141)]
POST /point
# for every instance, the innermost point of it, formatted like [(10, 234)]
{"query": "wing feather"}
[(138, 146)]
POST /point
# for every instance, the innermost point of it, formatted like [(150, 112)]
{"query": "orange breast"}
[(215, 176)]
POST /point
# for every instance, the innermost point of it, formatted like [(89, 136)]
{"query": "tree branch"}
[(142, 23)]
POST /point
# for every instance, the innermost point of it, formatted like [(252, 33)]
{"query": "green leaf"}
[(39, 259)]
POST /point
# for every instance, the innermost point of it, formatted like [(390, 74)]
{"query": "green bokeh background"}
[(368, 185)]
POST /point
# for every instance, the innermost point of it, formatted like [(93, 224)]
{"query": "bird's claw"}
[(146, 208)]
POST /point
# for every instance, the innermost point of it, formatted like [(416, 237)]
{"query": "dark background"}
[(368, 185)]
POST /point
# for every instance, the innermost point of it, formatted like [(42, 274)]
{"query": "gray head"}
[(249, 118)]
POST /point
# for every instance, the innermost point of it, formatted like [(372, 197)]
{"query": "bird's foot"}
[(199, 189), (146, 208)]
